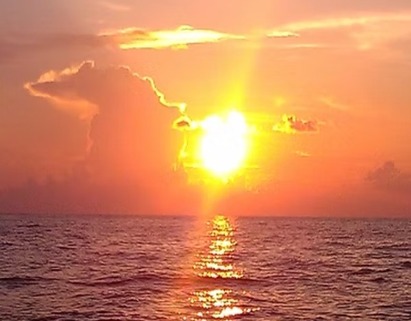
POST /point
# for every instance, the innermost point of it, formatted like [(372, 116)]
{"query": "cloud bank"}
[(129, 164), (131, 121)]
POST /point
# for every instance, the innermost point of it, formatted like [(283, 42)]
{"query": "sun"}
[(223, 147)]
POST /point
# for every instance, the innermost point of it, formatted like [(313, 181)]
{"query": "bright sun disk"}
[(223, 147)]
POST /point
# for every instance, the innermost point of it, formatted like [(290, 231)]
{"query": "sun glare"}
[(223, 147)]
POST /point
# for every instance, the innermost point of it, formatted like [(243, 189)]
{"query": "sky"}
[(102, 106)]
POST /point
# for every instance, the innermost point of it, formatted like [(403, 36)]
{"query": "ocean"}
[(217, 268)]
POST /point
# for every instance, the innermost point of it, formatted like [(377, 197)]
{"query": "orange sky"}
[(89, 92)]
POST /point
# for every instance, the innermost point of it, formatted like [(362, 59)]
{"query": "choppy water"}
[(141, 268)]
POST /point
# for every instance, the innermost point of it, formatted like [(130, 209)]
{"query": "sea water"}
[(196, 268)]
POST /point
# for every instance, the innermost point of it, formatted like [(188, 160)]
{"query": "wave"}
[(23, 280), (378, 280), (367, 271), (6, 243), (156, 278), (115, 281), (401, 247), (406, 264), (66, 246), (28, 225), (220, 281)]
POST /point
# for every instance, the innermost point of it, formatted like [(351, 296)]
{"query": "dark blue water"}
[(162, 268)]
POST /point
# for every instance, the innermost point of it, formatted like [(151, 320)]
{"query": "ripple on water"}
[(141, 268)]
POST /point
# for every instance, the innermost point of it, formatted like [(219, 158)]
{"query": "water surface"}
[(176, 268)]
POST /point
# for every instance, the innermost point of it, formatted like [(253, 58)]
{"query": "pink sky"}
[(89, 92)]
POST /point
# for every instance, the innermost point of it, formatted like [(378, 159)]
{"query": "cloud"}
[(184, 123), (281, 34), (129, 166), (346, 22), (290, 124), (53, 85), (131, 123), (362, 32), (133, 38), (302, 154), (125, 39), (333, 103), (181, 37), (389, 177)]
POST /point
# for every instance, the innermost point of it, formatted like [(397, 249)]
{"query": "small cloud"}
[(303, 154), (290, 124), (281, 34), (333, 104), (184, 123), (389, 177), (347, 22), (133, 38)]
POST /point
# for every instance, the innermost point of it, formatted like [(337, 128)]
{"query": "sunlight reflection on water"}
[(218, 262)]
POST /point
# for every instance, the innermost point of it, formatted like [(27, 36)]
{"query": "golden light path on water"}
[(217, 263)]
